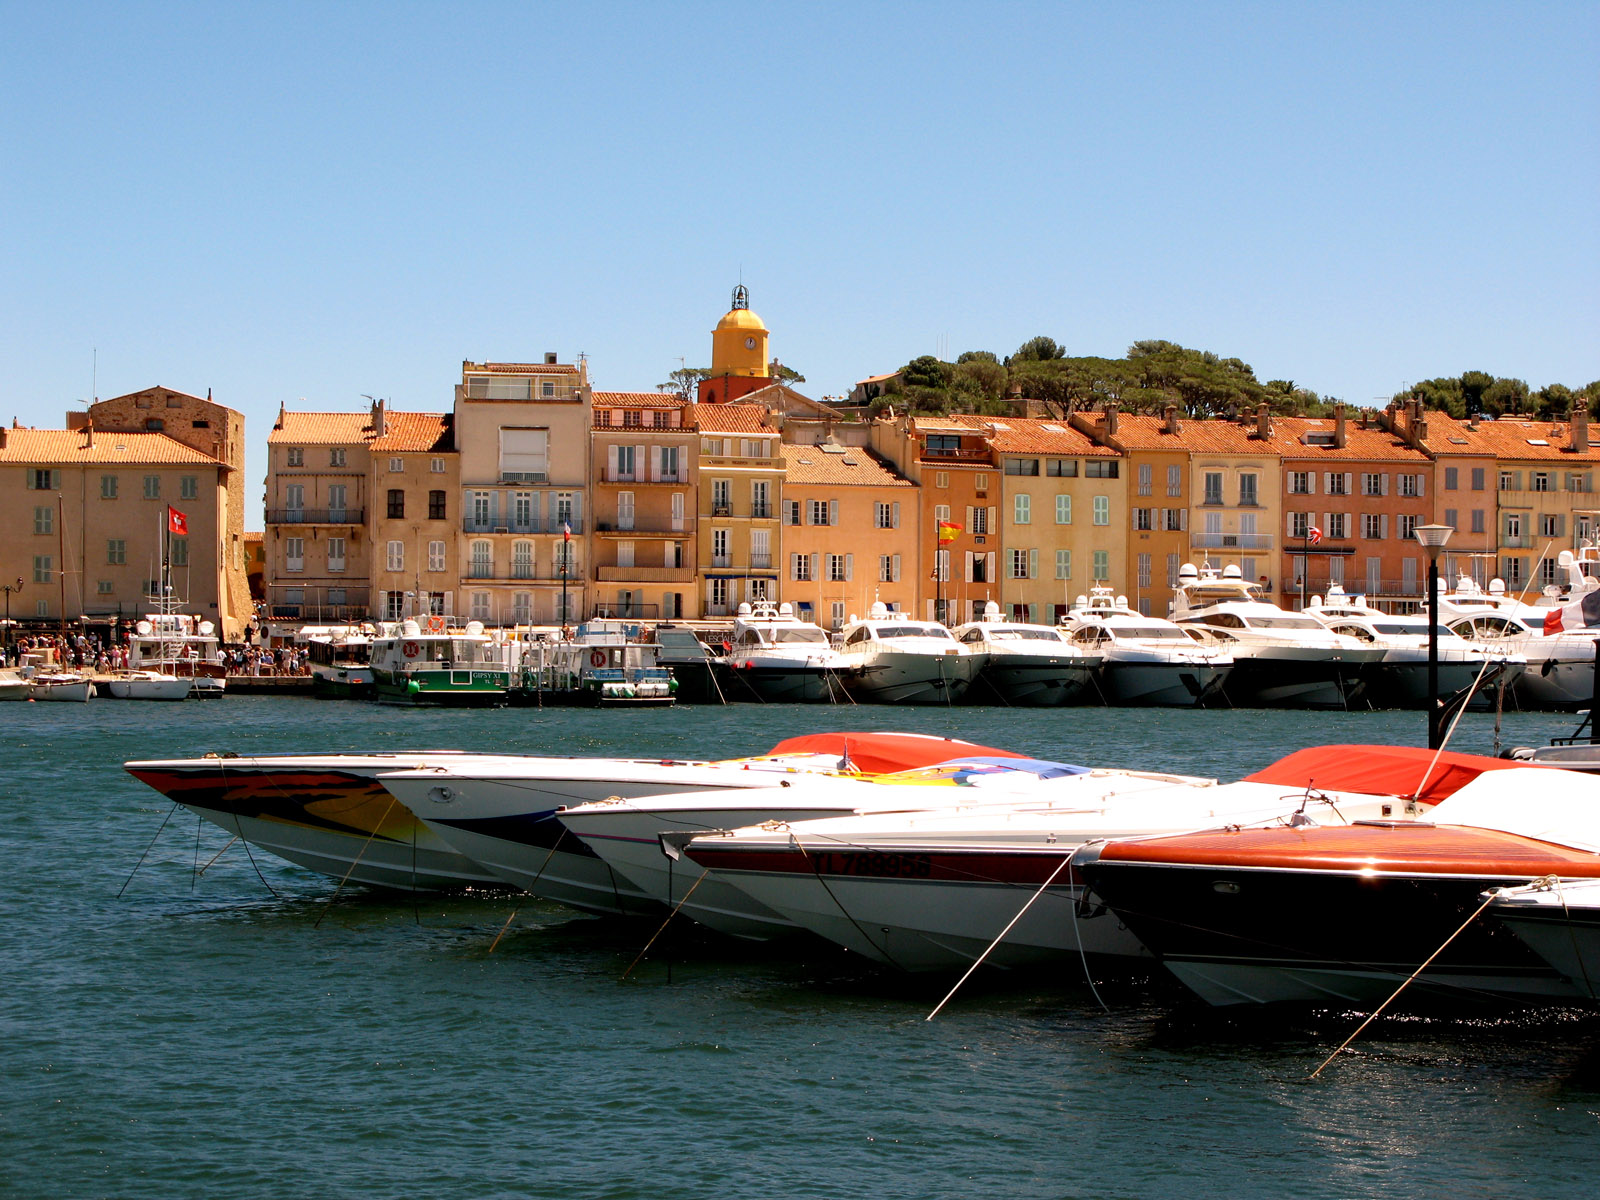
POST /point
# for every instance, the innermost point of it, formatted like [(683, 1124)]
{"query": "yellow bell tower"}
[(738, 354)]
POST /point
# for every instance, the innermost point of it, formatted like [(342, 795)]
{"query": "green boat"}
[(461, 668)]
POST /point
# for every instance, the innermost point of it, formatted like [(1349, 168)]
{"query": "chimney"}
[(1111, 420), (1366, 418), (549, 358), (282, 409), (377, 418), (1171, 424), (1338, 426), (88, 433), (1580, 428), (1264, 420), (2, 437)]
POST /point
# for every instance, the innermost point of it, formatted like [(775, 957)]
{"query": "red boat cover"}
[(1381, 770), (878, 753)]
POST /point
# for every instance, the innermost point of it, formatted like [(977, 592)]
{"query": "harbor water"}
[(182, 1017)]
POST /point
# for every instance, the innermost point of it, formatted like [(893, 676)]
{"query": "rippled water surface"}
[(239, 1028)]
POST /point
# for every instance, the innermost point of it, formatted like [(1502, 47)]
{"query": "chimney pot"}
[(1338, 426), (1580, 429), (1263, 420), (1172, 424)]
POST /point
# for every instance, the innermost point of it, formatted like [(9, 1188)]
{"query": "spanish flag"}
[(948, 531)]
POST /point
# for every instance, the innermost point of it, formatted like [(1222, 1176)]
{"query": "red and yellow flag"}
[(948, 531)]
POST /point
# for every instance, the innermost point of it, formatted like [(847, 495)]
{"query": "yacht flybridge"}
[(772, 655), (1281, 659), (1032, 665), (1146, 660), (890, 659)]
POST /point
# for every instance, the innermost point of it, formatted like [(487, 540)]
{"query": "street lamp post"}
[(1433, 538), (8, 588)]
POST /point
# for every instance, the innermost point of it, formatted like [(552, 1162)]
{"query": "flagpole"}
[(938, 574), (1305, 564)]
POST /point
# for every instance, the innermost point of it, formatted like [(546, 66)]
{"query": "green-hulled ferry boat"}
[(463, 668)]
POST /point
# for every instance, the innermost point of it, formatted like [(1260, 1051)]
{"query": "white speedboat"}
[(1559, 920), (628, 834), (1027, 665), (1146, 660), (327, 813), (1280, 659), (1401, 679), (932, 890), (148, 685), (890, 659), (503, 815), (772, 655), (74, 687)]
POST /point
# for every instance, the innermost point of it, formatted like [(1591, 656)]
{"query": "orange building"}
[(1365, 490), (850, 534)]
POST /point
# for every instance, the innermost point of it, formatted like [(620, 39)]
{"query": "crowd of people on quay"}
[(89, 651)]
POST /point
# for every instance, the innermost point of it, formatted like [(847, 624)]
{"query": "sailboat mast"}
[(61, 551)]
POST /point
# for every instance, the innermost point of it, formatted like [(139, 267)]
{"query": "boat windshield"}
[(1284, 622), (1418, 628), (907, 631), (1149, 632), (1025, 635), (809, 636)]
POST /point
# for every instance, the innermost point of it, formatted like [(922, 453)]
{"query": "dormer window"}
[(1316, 437), (632, 419)]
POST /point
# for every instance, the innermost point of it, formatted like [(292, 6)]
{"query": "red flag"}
[(177, 523)]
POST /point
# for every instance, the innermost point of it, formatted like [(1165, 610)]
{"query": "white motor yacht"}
[(1027, 665), (1560, 667), (1280, 659), (1401, 680), (772, 655), (1146, 660), (889, 658), (178, 644)]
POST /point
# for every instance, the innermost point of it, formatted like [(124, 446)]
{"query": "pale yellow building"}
[(1062, 517), (740, 481), (850, 533), (92, 502), (522, 432), (644, 452)]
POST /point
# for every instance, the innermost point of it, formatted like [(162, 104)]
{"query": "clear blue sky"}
[(308, 202)]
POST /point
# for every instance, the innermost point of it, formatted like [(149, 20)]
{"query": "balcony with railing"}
[(539, 574), (524, 529), (616, 574), (1231, 541), (957, 454), (641, 478), (316, 516), (662, 527)]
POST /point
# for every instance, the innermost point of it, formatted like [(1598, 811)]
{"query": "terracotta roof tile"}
[(67, 446), (495, 368), (638, 400), (416, 432), (1369, 444), (1012, 435), (732, 418), (838, 465), (1512, 438), (323, 429)]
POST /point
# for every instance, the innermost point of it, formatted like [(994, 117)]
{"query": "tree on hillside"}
[(1037, 349)]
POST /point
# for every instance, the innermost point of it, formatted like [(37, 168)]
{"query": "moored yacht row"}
[(1328, 877)]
